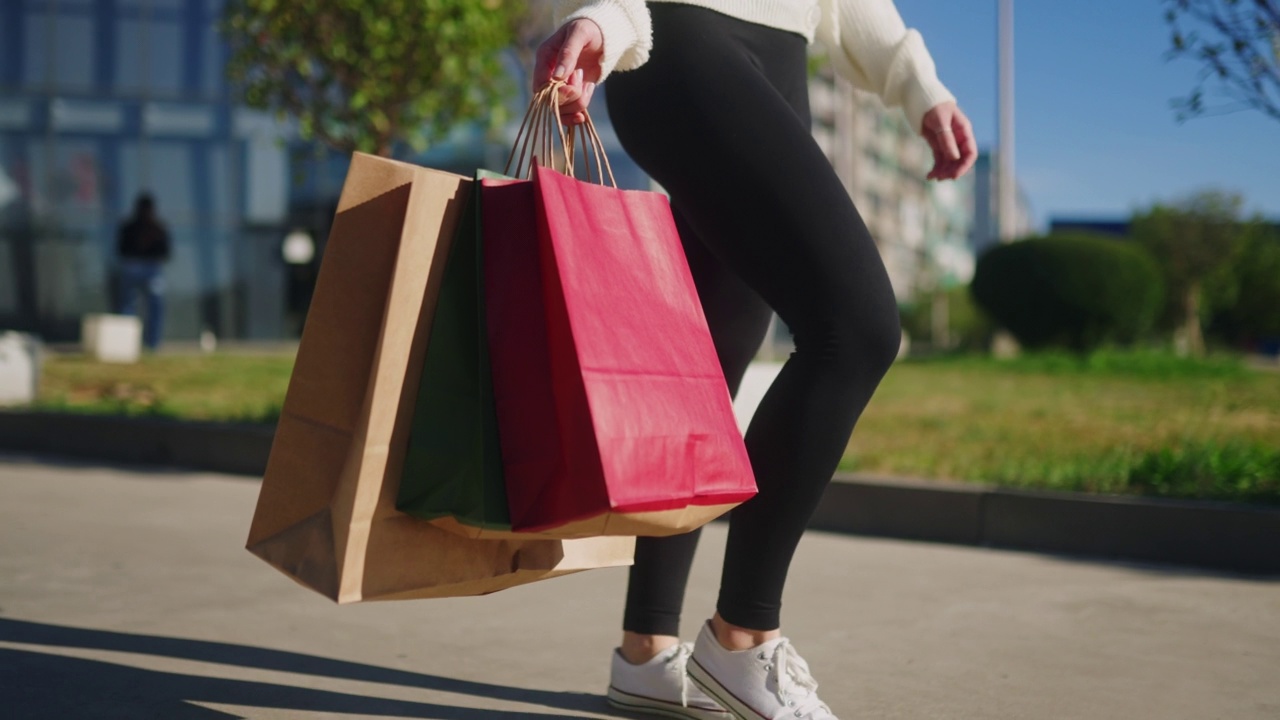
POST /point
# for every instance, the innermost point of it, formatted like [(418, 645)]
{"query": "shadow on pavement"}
[(41, 685)]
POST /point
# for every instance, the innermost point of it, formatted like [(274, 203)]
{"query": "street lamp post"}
[(1006, 194)]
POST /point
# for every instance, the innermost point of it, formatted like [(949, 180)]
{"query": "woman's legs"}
[(719, 117), (738, 320)]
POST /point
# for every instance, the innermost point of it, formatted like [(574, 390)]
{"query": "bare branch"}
[(1238, 47)]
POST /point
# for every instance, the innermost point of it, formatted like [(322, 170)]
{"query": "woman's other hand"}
[(572, 54), (951, 137)]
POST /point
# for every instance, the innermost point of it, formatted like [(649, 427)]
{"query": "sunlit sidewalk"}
[(127, 594)]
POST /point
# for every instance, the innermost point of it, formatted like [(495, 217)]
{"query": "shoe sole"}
[(720, 693), (649, 706)]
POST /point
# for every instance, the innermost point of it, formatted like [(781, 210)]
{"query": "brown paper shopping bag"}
[(326, 512)]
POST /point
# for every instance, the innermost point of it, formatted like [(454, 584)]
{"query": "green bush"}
[(1074, 291)]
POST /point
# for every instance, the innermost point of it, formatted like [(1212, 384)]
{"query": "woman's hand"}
[(573, 54), (951, 137)]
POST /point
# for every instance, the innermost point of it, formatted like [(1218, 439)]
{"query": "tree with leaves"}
[(537, 24), (1195, 243), (368, 74), (1254, 316), (1237, 43)]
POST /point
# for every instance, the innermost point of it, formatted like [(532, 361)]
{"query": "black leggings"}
[(719, 116)]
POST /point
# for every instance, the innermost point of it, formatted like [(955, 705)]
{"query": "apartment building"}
[(923, 228)]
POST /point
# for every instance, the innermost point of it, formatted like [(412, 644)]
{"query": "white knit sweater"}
[(868, 42)]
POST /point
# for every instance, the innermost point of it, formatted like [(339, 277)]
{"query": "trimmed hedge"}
[(1075, 291)]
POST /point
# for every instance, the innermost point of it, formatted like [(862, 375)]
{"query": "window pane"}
[(78, 179), (13, 217), (161, 5), (129, 181), (59, 4), (165, 57), (86, 116), (8, 273), (164, 169), (36, 70), (71, 52), (182, 285), (160, 118), (69, 269), (213, 70), (15, 114), (220, 185), (148, 57), (267, 181), (130, 68), (169, 176)]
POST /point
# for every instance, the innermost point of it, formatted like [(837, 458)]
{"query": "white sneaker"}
[(768, 682), (661, 687)]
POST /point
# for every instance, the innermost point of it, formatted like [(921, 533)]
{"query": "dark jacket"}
[(143, 239)]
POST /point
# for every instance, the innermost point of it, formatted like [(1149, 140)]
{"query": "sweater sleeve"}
[(625, 25), (873, 48)]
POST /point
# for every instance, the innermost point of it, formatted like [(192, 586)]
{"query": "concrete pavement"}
[(127, 594)]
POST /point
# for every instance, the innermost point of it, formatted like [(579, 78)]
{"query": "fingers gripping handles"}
[(542, 127)]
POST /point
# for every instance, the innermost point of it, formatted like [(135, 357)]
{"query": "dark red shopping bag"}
[(613, 413)]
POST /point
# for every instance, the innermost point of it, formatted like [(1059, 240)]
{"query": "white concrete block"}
[(19, 368), (112, 338)]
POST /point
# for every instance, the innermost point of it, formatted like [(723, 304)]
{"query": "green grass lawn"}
[(1122, 423), (1118, 422), (242, 388)]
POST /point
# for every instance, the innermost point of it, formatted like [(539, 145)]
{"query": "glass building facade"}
[(101, 100)]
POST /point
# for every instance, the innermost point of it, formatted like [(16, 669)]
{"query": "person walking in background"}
[(714, 107), (143, 246)]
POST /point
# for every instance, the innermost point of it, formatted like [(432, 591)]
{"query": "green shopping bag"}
[(453, 466)]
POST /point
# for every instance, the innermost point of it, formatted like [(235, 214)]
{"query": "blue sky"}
[(1095, 132)]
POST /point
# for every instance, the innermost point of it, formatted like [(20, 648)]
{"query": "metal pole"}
[(1007, 199), (144, 139), (844, 143)]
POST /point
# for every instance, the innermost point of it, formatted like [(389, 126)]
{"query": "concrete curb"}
[(237, 448), (1214, 535), (1218, 536)]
